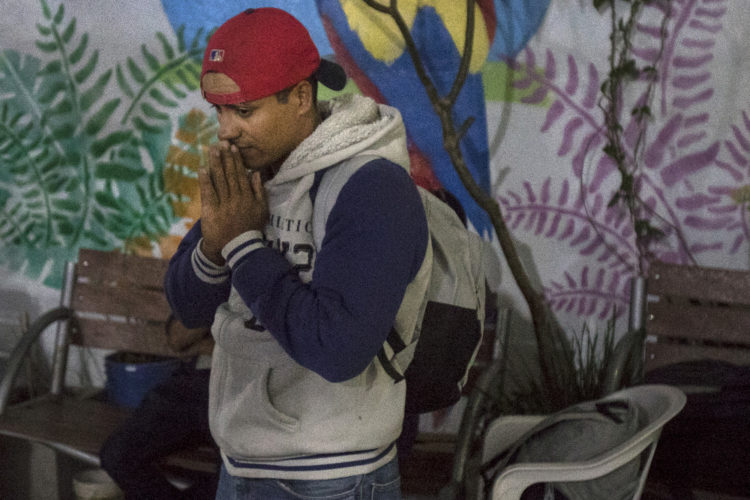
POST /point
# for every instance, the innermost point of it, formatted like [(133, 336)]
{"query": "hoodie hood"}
[(352, 125)]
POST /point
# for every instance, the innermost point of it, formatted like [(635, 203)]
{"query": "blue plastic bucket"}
[(128, 381)]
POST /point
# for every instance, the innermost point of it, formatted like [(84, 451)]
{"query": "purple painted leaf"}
[(700, 25), (692, 62), (687, 140), (550, 68), (688, 165), (592, 89), (572, 84), (736, 174), (545, 196), (554, 225), (540, 223), (707, 224), (686, 102), (743, 142), (696, 201), (569, 135), (737, 156), (604, 168), (537, 96), (689, 82), (654, 155), (553, 113)]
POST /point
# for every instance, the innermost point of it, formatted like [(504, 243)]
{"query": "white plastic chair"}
[(660, 404)]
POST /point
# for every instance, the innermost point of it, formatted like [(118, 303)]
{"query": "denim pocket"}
[(385, 491), (344, 488)]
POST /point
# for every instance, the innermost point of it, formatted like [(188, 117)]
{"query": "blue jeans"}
[(381, 484)]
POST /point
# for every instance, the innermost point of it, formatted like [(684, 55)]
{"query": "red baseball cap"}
[(264, 51)]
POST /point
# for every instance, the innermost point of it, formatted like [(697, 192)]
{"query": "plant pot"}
[(130, 376)]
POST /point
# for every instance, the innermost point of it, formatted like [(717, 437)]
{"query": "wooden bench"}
[(697, 313), (109, 301), (698, 320)]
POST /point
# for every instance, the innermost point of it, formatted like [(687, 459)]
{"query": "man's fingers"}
[(240, 173), (216, 169), (208, 194), (258, 190)]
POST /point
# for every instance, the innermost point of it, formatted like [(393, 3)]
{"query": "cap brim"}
[(331, 75)]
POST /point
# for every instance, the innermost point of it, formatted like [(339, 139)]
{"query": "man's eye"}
[(244, 113)]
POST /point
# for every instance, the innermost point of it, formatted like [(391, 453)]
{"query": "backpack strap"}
[(325, 192)]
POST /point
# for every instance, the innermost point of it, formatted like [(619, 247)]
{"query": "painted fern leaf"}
[(159, 82), (597, 292), (597, 231)]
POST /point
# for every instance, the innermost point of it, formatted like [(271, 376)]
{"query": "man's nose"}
[(228, 129)]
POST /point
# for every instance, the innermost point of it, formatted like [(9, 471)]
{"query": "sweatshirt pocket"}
[(244, 420)]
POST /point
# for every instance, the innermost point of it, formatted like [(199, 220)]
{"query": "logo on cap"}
[(216, 55)]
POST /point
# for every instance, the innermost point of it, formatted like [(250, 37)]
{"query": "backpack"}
[(450, 334), (579, 432)]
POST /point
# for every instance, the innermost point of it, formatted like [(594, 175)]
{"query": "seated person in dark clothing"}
[(172, 416)]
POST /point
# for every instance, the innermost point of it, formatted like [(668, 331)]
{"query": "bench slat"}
[(660, 354), (146, 338), (121, 301), (702, 283), (729, 325), (145, 272)]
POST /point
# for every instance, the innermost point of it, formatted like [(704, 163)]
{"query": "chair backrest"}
[(659, 404), (119, 302), (697, 313)]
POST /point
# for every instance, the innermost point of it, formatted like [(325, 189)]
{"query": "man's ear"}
[(303, 92)]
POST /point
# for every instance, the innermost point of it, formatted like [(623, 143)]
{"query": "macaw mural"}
[(102, 150)]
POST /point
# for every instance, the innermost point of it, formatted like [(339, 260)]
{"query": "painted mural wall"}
[(102, 130)]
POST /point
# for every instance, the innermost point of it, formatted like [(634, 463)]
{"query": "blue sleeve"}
[(375, 242), (194, 286)]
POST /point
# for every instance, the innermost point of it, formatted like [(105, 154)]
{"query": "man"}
[(312, 247), (172, 416)]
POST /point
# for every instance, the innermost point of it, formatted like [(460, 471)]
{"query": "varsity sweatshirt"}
[(300, 310)]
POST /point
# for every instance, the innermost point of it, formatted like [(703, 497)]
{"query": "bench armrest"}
[(21, 350)]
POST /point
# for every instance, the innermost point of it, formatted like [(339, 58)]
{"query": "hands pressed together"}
[(233, 200)]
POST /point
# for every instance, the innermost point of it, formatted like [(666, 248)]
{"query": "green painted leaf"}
[(163, 100), (98, 148), (64, 131), (81, 75), (61, 108), (135, 71), (67, 205), (106, 199), (51, 67), (95, 92), (65, 228), (144, 127), (45, 10), (166, 46), (47, 47), (100, 118), (50, 91), (59, 14), (180, 38), (69, 30), (122, 82), (78, 52), (43, 30), (118, 172), (152, 112), (176, 91), (151, 60)]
